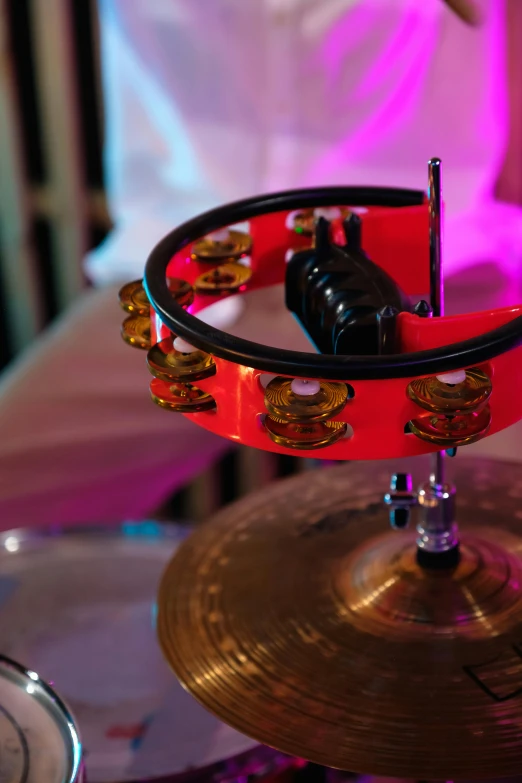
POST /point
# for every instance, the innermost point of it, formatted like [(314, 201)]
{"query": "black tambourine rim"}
[(295, 363)]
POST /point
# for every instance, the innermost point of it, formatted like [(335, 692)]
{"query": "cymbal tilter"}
[(437, 533)]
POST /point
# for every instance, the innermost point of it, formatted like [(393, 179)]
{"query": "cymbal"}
[(295, 617)]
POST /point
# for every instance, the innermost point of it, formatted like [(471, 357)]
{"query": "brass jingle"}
[(227, 277), (238, 244), (133, 299), (306, 435), (135, 330), (167, 364), (181, 397), (283, 403), (182, 291), (452, 431), (438, 397), (304, 220)]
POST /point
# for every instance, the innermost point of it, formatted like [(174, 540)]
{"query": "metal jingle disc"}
[(304, 220), (466, 397), (135, 330), (181, 397), (167, 364), (236, 245), (452, 431), (133, 299), (307, 435), (227, 277), (182, 291), (283, 403), (295, 618)]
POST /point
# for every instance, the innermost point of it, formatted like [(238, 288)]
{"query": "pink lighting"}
[(341, 92)]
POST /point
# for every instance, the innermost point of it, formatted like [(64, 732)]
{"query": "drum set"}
[(310, 627), (80, 605)]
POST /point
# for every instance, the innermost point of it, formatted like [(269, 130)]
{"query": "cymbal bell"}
[(297, 619)]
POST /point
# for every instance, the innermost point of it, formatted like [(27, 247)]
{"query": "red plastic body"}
[(397, 240)]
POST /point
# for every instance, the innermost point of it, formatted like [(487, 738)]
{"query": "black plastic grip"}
[(338, 294)]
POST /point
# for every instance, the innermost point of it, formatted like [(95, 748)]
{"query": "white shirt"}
[(212, 100)]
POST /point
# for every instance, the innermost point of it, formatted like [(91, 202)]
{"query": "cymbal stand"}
[(437, 539)]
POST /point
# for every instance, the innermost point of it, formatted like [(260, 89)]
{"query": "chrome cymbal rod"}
[(436, 276), (435, 235), (435, 499), (437, 530)]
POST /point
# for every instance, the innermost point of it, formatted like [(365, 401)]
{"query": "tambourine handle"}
[(337, 292)]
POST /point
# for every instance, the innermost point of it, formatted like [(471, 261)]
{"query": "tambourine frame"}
[(466, 353)]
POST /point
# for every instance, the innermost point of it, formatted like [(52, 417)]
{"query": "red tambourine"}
[(390, 380)]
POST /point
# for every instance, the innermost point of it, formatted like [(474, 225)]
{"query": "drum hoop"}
[(72, 729), (141, 531)]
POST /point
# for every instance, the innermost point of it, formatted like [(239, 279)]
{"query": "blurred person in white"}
[(207, 101)]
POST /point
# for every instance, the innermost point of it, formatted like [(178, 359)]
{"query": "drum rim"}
[(72, 726), (175, 531)]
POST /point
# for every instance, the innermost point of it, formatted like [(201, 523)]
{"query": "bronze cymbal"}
[(296, 618)]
